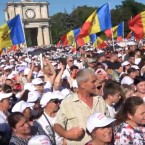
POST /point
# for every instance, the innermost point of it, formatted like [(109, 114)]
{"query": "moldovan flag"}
[(82, 41), (11, 33), (99, 20), (137, 25), (98, 42), (69, 38), (117, 31)]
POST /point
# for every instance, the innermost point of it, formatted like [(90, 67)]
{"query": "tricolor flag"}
[(69, 38), (11, 33), (99, 20), (82, 41), (118, 31), (137, 25)]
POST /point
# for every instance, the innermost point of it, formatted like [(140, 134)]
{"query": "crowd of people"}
[(90, 97)]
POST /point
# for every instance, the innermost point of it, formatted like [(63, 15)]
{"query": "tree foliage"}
[(64, 22)]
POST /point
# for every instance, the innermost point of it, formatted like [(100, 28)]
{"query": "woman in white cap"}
[(100, 129)]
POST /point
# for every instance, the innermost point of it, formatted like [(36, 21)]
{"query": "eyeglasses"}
[(56, 101)]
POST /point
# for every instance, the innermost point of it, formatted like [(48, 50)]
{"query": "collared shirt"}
[(66, 72), (74, 113)]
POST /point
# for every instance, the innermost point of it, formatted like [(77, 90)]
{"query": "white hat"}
[(137, 61), (24, 64), (37, 81), (125, 63), (11, 60), (3, 60), (98, 120), (135, 66), (119, 55), (14, 72), (3, 65), (33, 96), (10, 76), (100, 51), (26, 71), (5, 95), (131, 43), (127, 80), (47, 97), (7, 67), (21, 106), (40, 74), (39, 140), (29, 86)]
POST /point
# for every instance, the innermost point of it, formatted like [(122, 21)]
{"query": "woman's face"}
[(100, 76), (140, 87), (27, 113), (104, 134), (23, 127), (139, 116)]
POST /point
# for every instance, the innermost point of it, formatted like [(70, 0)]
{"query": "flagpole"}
[(112, 39), (123, 30), (112, 32)]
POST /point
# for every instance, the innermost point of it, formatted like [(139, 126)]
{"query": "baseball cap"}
[(39, 140), (37, 81), (5, 95), (21, 106), (47, 97), (29, 86), (33, 96), (125, 63), (127, 80), (135, 66), (98, 120)]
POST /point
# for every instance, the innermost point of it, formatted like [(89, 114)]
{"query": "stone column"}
[(46, 35), (40, 37)]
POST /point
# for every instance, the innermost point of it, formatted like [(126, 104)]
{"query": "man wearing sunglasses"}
[(50, 103), (74, 110)]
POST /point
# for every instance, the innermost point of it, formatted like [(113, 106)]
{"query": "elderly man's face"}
[(70, 61), (90, 85)]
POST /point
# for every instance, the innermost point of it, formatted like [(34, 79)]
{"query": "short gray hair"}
[(83, 75)]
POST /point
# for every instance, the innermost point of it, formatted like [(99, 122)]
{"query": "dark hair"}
[(111, 88), (139, 79), (130, 70), (73, 67), (6, 88), (129, 106), (24, 97), (131, 54), (14, 118)]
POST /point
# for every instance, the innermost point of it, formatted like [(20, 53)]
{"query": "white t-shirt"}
[(111, 110), (46, 127)]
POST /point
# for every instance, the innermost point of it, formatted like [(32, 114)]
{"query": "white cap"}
[(39, 140), (10, 76), (135, 66), (37, 81), (11, 60), (125, 63), (40, 74), (3, 60), (100, 51), (119, 55), (98, 120), (24, 64), (26, 71), (33, 96), (21, 106), (127, 80), (7, 67), (5, 95), (137, 61), (3, 65), (47, 97), (15, 73), (131, 43), (29, 86)]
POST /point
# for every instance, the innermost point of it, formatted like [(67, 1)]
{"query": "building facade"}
[(35, 18)]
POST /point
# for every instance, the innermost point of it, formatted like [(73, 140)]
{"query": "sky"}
[(68, 5)]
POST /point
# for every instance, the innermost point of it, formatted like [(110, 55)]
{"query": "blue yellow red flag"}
[(69, 38), (99, 20), (116, 30), (11, 33)]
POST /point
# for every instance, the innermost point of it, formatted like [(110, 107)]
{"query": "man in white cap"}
[(5, 104), (38, 84), (100, 129), (50, 102)]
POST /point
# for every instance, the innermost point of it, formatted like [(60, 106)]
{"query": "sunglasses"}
[(56, 101)]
